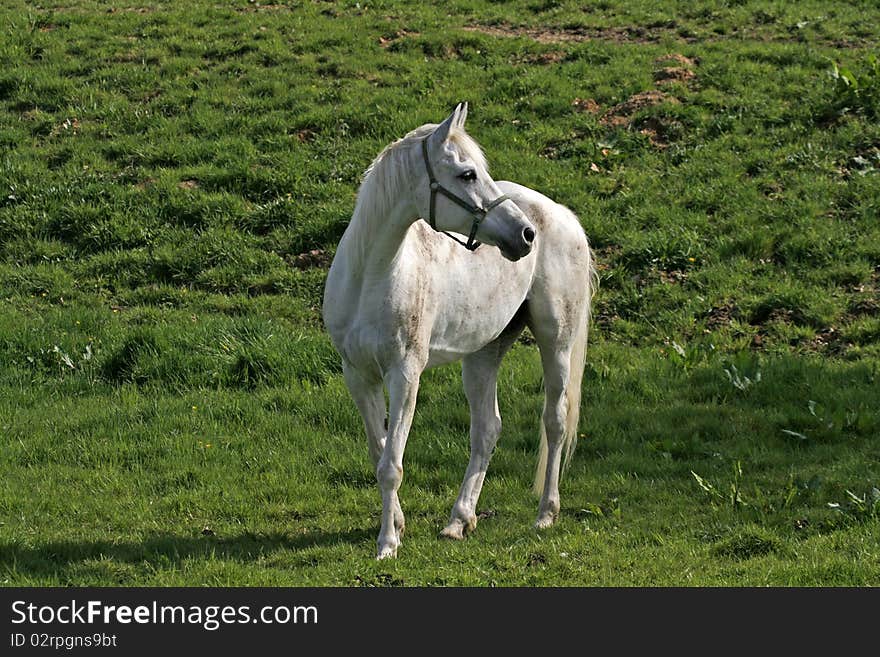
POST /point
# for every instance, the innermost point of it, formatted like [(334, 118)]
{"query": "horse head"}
[(471, 203)]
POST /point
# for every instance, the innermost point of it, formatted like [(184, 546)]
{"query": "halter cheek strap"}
[(477, 212)]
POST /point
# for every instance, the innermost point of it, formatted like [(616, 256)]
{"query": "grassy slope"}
[(172, 413)]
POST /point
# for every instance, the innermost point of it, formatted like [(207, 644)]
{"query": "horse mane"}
[(387, 178)]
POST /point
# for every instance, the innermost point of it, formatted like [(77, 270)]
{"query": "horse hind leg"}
[(562, 345), (479, 374), (552, 436)]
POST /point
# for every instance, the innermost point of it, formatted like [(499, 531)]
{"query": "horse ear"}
[(454, 120), (462, 110), (441, 132)]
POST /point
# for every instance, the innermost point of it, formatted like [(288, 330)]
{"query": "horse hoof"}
[(545, 520), (454, 530), (386, 552)]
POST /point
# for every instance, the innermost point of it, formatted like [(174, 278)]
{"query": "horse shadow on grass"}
[(165, 549)]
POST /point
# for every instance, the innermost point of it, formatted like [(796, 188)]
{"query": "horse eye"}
[(468, 175)]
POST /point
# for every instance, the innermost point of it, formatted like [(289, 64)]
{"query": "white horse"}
[(401, 296)]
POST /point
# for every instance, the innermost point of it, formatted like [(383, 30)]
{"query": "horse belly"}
[(473, 318)]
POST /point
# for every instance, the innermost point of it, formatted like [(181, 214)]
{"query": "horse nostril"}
[(529, 234)]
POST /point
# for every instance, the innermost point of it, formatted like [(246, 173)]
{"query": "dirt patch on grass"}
[(828, 340), (672, 276), (721, 315), (586, 105), (658, 130), (653, 34), (622, 113), (865, 305), (256, 6), (669, 74), (767, 314), (387, 41), (543, 59), (677, 58), (132, 10), (311, 259), (674, 67), (574, 34), (306, 135)]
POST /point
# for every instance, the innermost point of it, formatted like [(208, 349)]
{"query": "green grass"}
[(172, 412)]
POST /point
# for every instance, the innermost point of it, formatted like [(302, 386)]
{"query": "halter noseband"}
[(476, 211)]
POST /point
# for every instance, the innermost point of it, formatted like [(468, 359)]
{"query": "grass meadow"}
[(174, 178)]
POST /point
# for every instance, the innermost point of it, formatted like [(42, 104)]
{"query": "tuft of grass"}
[(747, 544), (859, 91), (135, 360)]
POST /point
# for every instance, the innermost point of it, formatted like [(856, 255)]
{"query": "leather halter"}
[(477, 212)]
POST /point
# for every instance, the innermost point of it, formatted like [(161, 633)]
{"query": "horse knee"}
[(389, 475)]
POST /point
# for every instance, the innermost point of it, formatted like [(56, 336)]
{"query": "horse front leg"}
[(403, 387), (369, 398), (479, 374)]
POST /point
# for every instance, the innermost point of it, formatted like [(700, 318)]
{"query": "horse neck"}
[(379, 224)]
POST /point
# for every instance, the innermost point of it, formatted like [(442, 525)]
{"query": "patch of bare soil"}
[(672, 277), (311, 259), (574, 34), (827, 341), (253, 6), (721, 315), (306, 135), (669, 74), (865, 306), (622, 113), (586, 105), (649, 34), (674, 67), (69, 125), (865, 298), (543, 59), (132, 10), (659, 130), (679, 59), (399, 35), (766, 316)]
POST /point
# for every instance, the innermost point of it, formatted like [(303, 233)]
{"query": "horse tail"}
[(577, 363)]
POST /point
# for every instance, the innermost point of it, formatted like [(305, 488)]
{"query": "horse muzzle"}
[(520, 244)]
